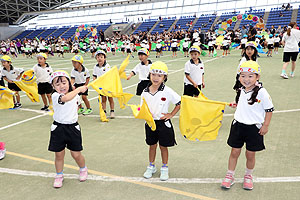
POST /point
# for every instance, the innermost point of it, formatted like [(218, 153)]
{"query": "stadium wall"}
[(7, 31)]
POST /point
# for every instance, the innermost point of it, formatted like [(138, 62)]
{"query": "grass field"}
[(117, 156)]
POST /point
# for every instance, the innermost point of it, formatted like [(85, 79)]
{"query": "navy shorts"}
[(45, 88), (81, 93), (190, 90), (141, 86)]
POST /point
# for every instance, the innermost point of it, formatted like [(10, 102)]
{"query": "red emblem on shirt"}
[(163, 98)]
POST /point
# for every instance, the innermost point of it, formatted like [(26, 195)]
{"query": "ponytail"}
[(291, 25), (253, 99)]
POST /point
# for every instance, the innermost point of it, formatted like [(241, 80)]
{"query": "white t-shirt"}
[(195, 35), (253, 114), (244, 41), (80, 77), (291, 42), (99, 71), (277, 39), (195, 72), (174, 44), (159, 102), (185, 45), (65, 112), (12, 74), (270, 41), (158, 45), (42, 73), (143, 70)]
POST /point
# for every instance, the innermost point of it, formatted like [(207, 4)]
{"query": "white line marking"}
[(152, 180)]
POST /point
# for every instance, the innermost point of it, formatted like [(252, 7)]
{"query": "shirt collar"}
[(149, 62), (160, 88), (102, 65), (45, 64), (193, 61), (11, 68), (83, 68)]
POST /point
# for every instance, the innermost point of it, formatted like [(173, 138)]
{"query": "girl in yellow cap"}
[(158, 96), (251, 121)]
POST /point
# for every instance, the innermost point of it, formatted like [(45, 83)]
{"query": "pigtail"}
[(291, 25), (237, 97), (253, 99)]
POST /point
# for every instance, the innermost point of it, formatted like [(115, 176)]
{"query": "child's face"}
[(157, 79), (248, 79), (249, 51), (100, 58), (5, 64), (41, 60), (194, 55), (76, 65), (61, 85), (143, 57)]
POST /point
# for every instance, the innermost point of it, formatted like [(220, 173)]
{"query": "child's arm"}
[(170, 115), (191, 80), (9, 81), (69, 96), (130, 75), (203, 84), (72, 81), (87, 81), (264, 129)]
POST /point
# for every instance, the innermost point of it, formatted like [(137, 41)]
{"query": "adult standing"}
[(290, 41), (252, 33)]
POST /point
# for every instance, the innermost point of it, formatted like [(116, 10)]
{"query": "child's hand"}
[(73, 87), (128, 78), (233, 104), (263, 130), (203, 85), (82, 88), (166, 116), (195, 85)]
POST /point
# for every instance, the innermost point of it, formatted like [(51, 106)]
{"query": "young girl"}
[(174, 48), (210, 47), (158, 49), (65, 130), (11, 74), (225, 46), (243, 44), (270, 42), (185, 46), (43, 70), (276, 43), (80, 76), (101, 68), (158, 97), (250, 53), (251, 121)]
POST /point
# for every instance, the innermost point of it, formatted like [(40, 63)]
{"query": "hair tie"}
[(289, 27)]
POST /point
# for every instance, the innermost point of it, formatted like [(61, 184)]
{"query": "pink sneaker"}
[(58, 181), (248, 182), (83, 174), (228, 181)]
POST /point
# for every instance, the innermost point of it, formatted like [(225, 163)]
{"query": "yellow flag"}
[(123, 99), (200, 118), (101, 112), (219, 40), (143, 113), (123, 67), (28, 85), (6, 98)]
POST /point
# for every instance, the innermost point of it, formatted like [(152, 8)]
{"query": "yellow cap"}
[(195, 48), (143, 51), (6, 58), (58, 73), (250, 66), (42, 55), (251, 44), (159, 67), (78, 58)]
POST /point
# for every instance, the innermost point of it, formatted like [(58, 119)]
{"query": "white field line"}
[(152, 180)]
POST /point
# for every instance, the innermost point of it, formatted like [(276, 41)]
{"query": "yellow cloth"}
[(6, 98), (123, 67), (101, 112), (219, 40), (28, 85), (200, 118), (143, 113)]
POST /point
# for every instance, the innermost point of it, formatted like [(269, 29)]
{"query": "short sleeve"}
[(19, 71), (56, 98), (95, 72), (87, 74), (187, 68), (174, 97), (73, 73), (266, 101), (135, 70)]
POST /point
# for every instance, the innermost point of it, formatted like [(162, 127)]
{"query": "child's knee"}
[(76, 155), (235, 153)]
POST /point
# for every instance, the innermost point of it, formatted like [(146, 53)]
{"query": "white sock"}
[(231, 172), (249, 171)]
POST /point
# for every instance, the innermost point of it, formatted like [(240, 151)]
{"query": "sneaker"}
[(292, 75), (80, 111), (19, 105), (87, 112), (284, 76), (2, 153), (164, 173), (58, 180), (112, 115), (248, 182), (150, 171), (83, 174), (228, 181), (45, 108)]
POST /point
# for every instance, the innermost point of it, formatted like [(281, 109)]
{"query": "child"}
[(80, 76), (174, 47), (185, 46), (276, 43), (270, 42), (11, 74), (251, 121), (210, 47), (143, 70), (101, 68), (43, 71), (225, 46), (194, 73), (158, 96), (2, 150), (123, 48), (65, 130), (1, 79), (158, 49), (249, 54), (113, 48), (243, 44)]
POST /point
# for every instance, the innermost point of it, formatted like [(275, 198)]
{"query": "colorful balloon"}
[(245, 16), (234, 19), (255, 19), (239, 17), (250, 17), (229, 21)]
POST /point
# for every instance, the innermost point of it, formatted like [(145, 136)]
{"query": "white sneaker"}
[(284, 76), (2, 154), (164, 173), (292, 75), (150, 171)]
